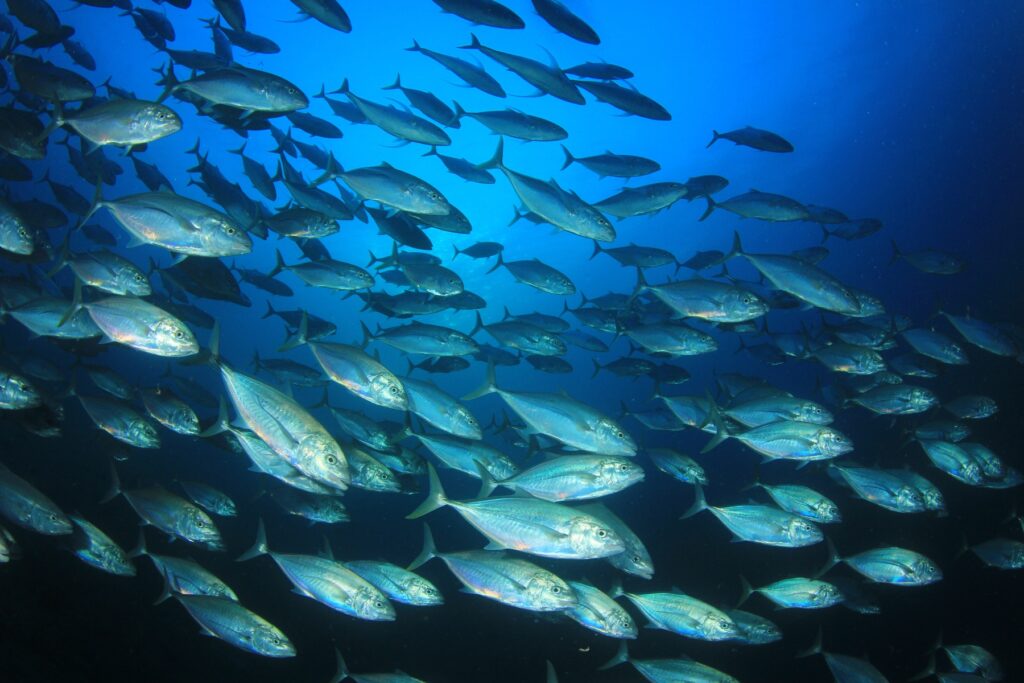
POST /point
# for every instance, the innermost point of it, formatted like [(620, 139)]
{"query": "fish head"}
[(815, 413), (909, 499), (143, 434), (832, 443), (545, 592), (635, 561), (221, 236), (590, 538), (614, 439), (372, 605), (619, 472), (696, 474), (802, 532), (924, 571), (423, 593), (16, 237), (196, 525), (870, 363), (921, 399), (174, 338), (156, 121), (271, 642), (134, 282), (619, 624), (746, 305), (376, 477), (48, 521), (284, 96), (991, 464), (388, 391), (469, 427), (972, 472), (185, 421), (323, 460), (828, 512), (933, 499), (18, 391), (826, 594), (720, 627)]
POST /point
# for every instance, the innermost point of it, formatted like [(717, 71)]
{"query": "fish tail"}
[(569, 158), (259, 547), (397, 85), (115, 486), (896, 253), (833, 558), (597, 250), (342, 669), (429, 550), (474, 43), (300, 336), (279, 264), (165, 593), (736, 249), (432, 152), (700, 504), (597, 368), (621, 657), (497, 264), (342, 89), (715, 418), (435, 499), (641, 285), (488, 386), (455, 251), (714, 138), (56, 121), (140, 546), (711, 207), (76, 303), (97, 202), (551, 677), (497, 159), (928, 670), (222, 424), (487, 482), (825, 234), (415, 47), (412, 366), (367, 335), (215, 344), (746, 590), (270, 311), (814, 649)]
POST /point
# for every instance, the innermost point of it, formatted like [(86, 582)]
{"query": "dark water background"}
[(911, 113)]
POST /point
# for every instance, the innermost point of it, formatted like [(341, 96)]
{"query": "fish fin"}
[(222, 424), (814, 649), (621, 657), (435, 499), (489, 386), (429, 550), (715, 136), (300, 336), (551, 676), (746, 590), (115, 486), (259, 547), (140, 546), (342, 669), (699, 502), (833, 558)]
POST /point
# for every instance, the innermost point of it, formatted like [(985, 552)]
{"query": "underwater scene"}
[(531, 341)]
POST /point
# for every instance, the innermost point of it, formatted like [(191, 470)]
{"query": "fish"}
[(931, 261), (469, 455), (570, 477), (657, 670), (761, 524), (397, 189), (598, 612), (401, 124), (537, 527), (563, 20), (485, 12), (169, 513), (170, 411), (231, 622), (287, 428), (548, 79), (472, 74), (756, 138), (438, 409), (24, 505), (563, 418), (538, 275), (96, 549), (120, 420), (684, 615), (799, 592), (613, 165), (885, 489), (400, 585), (891, 565), (502, 577), (327, 581)]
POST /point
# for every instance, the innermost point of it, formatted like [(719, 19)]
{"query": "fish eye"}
[(378, 604), (330, 459), (620, 434), (623, 467), (394, 390), (601, 533), (556, 590), (636, 559), (200, 523), (275, 641), (139, 277), (22, 232), (229, 231), (53, 517), (178, 334)]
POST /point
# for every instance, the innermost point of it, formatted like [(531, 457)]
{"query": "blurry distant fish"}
[(929, 260), (764, 140), (563, 20), (486, 12), (472, 74)]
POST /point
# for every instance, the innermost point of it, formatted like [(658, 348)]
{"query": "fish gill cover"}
[(617, 283)]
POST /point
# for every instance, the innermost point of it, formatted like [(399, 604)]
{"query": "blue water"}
[(908, 113)]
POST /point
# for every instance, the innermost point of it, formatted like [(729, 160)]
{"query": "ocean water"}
[(910, 113)]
